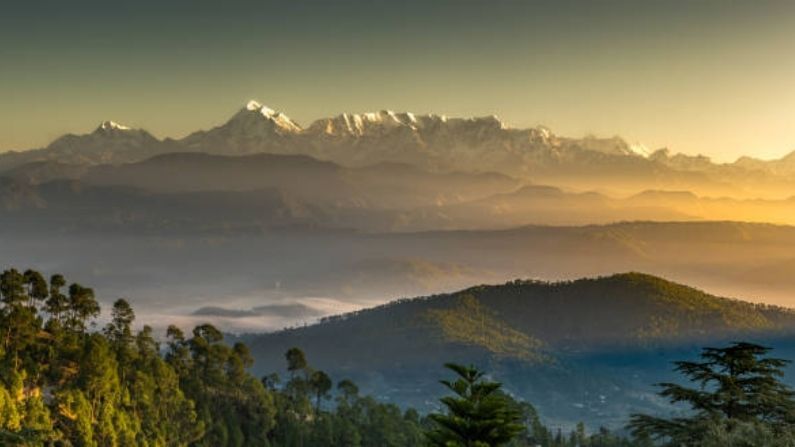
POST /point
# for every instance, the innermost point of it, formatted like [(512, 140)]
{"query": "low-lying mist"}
[(277, 279)]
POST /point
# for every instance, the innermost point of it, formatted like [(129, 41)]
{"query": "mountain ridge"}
[(393, 196), (429, 141), (650, 293)]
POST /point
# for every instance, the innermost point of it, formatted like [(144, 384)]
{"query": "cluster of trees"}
[(739, 401), (66, 382), (306, 415), (479, 414)]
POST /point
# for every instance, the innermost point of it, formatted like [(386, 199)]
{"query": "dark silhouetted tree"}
[(321, 384), (738, 389)]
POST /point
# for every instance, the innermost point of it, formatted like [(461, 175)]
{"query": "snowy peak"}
[(370, 123), (282, 122), (612, 146), (111, 130), (640, 149), (355, 124), (110, 126), (254, 106)]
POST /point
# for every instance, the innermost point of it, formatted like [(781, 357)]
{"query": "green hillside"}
[(625, 309), (585, 350), (530, 321)]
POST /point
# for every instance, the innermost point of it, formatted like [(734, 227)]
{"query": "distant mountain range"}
[(434, 143), (532, 334)]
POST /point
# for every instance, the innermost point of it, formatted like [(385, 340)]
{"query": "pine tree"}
[(82, 306), (321, 385), (296, 361), (57, 303), (19, 323), (477, 414)]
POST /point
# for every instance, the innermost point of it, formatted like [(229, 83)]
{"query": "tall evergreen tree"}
[(477, 414), (82, 306), (19, 323), (737, 386), (120, 334), (296, 361), (57, 303), (321, 385)]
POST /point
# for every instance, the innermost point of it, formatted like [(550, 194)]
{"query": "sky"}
[(715, 77)]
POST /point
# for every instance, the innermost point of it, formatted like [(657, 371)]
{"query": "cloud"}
[(291, 310), (248, 315)]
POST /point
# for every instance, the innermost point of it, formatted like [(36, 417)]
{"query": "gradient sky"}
[(697, 76)]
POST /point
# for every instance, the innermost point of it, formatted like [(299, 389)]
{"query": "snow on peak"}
[(280, 119), (360, 124), (639, 149), (253, 105), (112, 125), (496, 120), (544, 132)]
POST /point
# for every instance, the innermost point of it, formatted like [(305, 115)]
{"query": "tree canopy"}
[(477, 414), (66, 382), (738, 399)]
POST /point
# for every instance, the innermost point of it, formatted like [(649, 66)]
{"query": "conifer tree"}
[(321, 385), (477, 414), (737, 386)]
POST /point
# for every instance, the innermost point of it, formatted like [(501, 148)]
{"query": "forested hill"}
[(586, 350), (527, 320)]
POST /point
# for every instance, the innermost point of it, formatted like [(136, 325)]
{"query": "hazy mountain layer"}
[(153, 193)]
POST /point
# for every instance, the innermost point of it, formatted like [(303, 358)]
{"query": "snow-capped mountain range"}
[(433, 142)]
